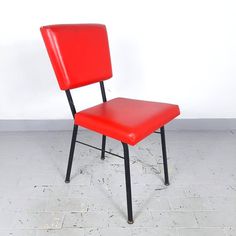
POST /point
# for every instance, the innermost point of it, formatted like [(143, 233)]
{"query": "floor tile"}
[(201, 232)]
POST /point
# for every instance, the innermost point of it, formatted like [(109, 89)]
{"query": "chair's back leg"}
[(103, 147), (163, 144), (128, 183), (104, 99), (72, 148)]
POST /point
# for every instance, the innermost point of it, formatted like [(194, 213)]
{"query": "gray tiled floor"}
[(35, 201)]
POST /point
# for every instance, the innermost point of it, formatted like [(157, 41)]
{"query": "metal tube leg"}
[(128, 184), (103, 147), (72, 148), (163, 144)]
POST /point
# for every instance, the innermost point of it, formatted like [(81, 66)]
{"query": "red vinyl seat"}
[(127, 120), (80, 56)]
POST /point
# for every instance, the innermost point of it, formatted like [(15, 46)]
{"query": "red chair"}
[(80, 56)]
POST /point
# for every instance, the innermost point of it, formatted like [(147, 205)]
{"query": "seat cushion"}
[(127, 120)]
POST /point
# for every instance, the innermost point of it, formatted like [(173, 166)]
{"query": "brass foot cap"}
[(67, 181), (130, 221)]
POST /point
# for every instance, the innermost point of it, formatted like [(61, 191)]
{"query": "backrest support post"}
[(104, 98), (71, 103)]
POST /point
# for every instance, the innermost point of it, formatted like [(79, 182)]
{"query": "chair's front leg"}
[(163, 144), (128, 183), (72, 148), (103, 147)]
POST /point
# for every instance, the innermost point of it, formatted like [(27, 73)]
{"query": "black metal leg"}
[(163, 144), (103, 147), (72, 148), (128, 184)]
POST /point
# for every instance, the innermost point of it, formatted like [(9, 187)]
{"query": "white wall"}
[(173, 51)]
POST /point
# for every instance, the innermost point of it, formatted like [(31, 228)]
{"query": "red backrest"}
[(79, 53)]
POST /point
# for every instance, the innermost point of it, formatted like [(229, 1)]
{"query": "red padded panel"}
[(79, 53), (127, 120)]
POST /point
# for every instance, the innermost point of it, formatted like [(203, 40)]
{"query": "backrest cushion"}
[(79, 53)]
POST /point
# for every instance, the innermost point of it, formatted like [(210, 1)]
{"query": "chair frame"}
[(103, 151)]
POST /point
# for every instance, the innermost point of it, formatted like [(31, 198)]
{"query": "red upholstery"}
[(127, 120), (80, 56), (79, 53)]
